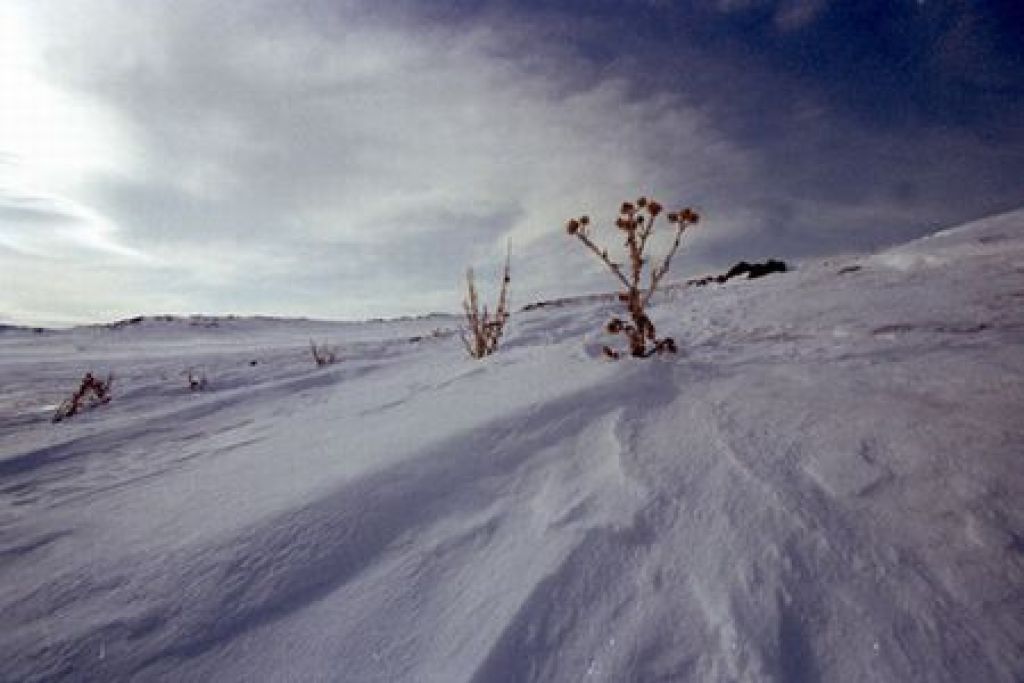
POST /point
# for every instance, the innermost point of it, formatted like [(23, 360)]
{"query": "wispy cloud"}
[(57, 228), (787, 15)]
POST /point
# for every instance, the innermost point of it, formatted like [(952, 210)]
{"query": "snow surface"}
[(826, 484)]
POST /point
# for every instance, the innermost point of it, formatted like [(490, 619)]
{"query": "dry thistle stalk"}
[(323, 354), (636, 221), (90, 393), (484, 330)]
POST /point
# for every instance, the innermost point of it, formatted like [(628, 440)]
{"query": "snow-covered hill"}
[(826, 484)]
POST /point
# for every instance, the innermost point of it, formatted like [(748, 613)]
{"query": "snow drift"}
[(826, 484)]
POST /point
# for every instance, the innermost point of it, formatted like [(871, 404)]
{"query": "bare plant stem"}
[(484, 330), (638, 222)]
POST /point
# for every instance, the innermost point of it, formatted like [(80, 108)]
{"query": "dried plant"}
[(323, 354), (91, 392), (637, 221), (484, 329), (197, 380)]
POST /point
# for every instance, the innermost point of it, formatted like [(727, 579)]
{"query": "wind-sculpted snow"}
[(824, 485)]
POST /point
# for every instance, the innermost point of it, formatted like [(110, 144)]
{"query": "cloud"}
[(786, 15), (344, 160), (794, 15), (406, 152), (57, 229)]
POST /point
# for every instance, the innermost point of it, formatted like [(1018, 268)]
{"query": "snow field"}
[(824, 485)]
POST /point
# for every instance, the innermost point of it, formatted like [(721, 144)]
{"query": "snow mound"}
[(824, 485)]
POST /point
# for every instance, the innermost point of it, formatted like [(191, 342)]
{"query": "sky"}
[(349, 160)]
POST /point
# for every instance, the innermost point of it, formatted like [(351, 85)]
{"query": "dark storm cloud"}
[(864, 123)]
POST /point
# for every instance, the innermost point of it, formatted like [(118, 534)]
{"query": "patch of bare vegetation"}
[(637, 222), (197, 380), (323, 354), (483, 330), (91, 392)]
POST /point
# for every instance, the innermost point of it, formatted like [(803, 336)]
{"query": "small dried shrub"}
[(91, 392), (484, 330), (323, 354), (197, 380), (636, 221)]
